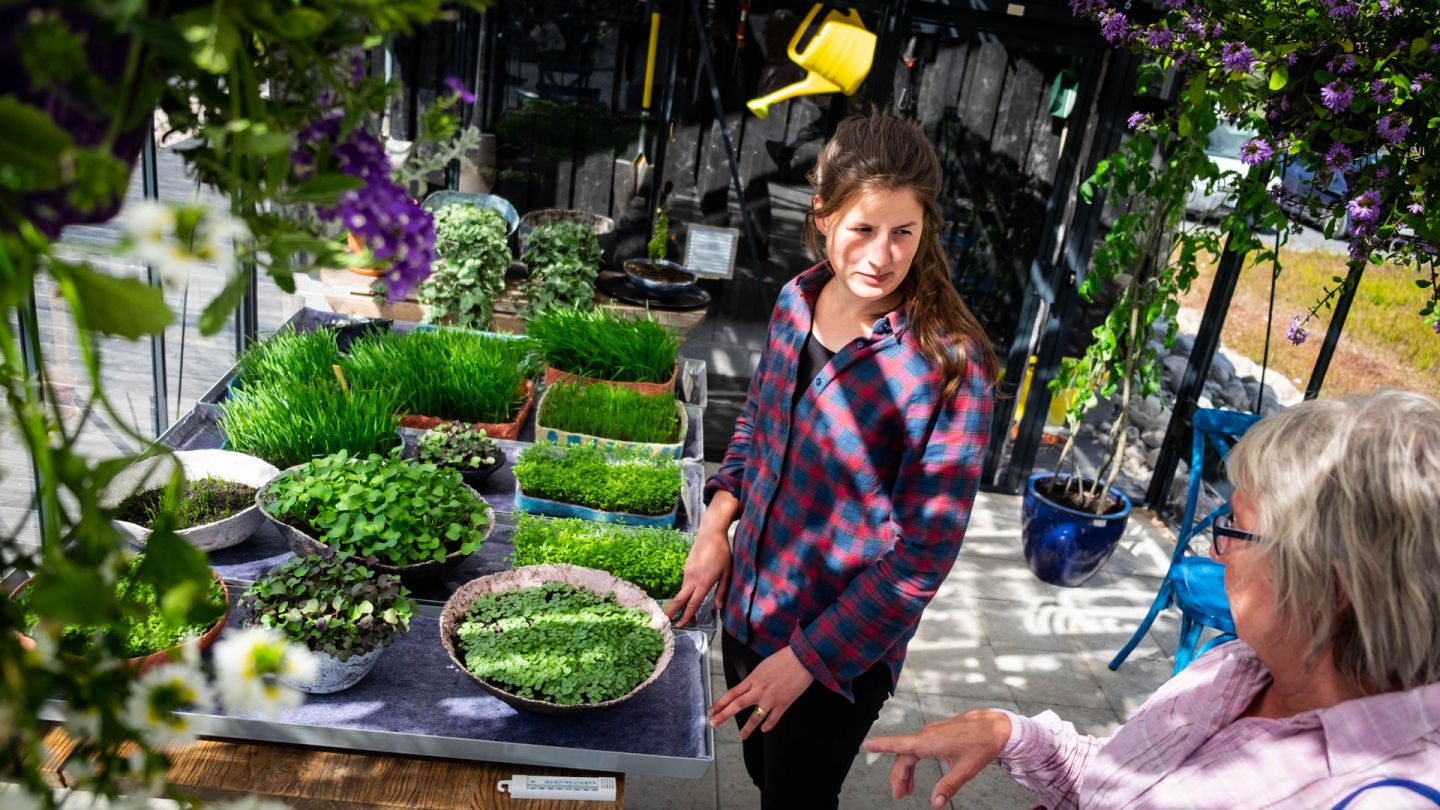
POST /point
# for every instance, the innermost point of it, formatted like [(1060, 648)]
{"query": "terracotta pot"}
[(141, 663), (553, 375), (356, 246), (506, 430)]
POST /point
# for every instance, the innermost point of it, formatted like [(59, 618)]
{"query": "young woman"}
[(852, 469)]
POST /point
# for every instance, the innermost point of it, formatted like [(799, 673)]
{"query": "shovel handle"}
[(650, 58)]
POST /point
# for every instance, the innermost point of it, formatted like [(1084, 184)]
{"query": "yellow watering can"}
[(838, 58)]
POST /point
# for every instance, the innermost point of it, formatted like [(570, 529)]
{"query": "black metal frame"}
[(150, 186)]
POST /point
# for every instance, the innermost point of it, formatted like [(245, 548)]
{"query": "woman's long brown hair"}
[(881, 151)]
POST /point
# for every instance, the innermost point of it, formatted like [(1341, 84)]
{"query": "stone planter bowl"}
[(531, 575), (684, 277), (224, 465), (415, 577), (334, 675)]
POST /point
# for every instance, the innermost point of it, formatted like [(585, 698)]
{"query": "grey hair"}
[(1347, 495)]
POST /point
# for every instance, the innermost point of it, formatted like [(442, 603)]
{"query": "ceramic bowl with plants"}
[(462, 447), (417, 520), (650, 558), (557, 639), (602, 344), (217, 500), (341, 610), (597, 413), (585, 481), (147, 637)]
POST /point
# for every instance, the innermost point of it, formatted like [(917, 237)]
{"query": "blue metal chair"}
[(1194, 583)]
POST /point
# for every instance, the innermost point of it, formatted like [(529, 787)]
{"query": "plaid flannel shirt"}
[(854, 509)]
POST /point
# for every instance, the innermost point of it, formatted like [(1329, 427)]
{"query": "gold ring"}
[(760, 713)]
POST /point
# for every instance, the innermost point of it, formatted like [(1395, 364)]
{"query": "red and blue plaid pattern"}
[(852, 511)]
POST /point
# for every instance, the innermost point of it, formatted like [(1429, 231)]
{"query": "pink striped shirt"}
[(1185, 748)]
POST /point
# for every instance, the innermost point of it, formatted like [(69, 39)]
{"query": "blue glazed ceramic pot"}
[(1064, 546)]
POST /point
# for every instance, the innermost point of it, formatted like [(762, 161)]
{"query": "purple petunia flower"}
[(1382, 92), (1296, 332), (1393, 127), (1338, 156), (1337, 95), (1365, 207), (454, 83), (1113, 27), (1255, 151), (1237, 57)]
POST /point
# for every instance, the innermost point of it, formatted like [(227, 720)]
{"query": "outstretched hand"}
[(966, 743)]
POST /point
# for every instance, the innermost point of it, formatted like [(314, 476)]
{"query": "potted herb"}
[(611, 416), (341, 610), (147, 636), (605, 345), (655, 274), (449, 375), (290, 357), (217, 505), (557, 639), (290, 423), (563, 258), (583, 480), (473, 257), (652, 559), (416, 520), (458, 446)]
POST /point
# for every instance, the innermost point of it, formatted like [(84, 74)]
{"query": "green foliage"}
[(457, 445), (659, 236), (583, 474), (398, 512), (611, 412), (606, 345), (474, 255), (205, 501), (331, 605), (288, 357), (290, 424), (445, 373), (145, 629), (564, 259), (559, 644), (649, 558)]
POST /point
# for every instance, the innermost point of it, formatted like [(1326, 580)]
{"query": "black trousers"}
[(803, 761)]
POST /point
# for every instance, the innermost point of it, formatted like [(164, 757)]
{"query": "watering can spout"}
[(813, 83), (837, 59)]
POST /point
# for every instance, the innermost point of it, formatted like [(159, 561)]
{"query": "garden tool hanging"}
[(632, 175), (837, 59)]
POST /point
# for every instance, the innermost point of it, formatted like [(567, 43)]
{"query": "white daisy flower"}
[(148, 221), (216, 237), (157, 697), (82, 724), (248, 665)]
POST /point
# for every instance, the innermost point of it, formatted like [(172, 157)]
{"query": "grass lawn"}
[(1384, 344)]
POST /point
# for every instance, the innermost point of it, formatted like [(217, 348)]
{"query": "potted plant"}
[(612, 417), (462, 447), (217, 504), (657, 275), (604, 345), (340, 609), (449, 375), (583, 480), (147, 637), (652, 559), (351, 328), (288, 357), (290, 423), (473, 257), (417, 520), (557, 639), (563, 258)]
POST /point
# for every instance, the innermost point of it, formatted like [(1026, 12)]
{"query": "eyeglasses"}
[(1224, 532)]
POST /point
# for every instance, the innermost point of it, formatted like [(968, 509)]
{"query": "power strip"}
[(593, 788)]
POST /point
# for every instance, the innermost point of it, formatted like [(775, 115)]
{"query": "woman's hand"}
[(771, 688), (709, 561), (966, 743)]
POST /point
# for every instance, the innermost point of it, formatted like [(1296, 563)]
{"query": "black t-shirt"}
[(813, 357)]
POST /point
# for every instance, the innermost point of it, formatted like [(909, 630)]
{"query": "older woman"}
[(1332, 566)]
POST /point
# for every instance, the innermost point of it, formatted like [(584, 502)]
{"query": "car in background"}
[(1303, 199), (1209, 202)]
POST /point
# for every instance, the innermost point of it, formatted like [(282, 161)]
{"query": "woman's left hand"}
[(771, 688)]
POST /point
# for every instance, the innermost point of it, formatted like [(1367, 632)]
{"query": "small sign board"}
[(710, 251)]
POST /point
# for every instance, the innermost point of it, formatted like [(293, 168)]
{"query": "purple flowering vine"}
[(1415, 208), (1393, 127), (1255, 151), (1137, 120), (1338, 156), (1113, 27), (1381, 91), (1337, 95), (458, 86), (1296, 332), (1364, 208), (1237, 57)]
